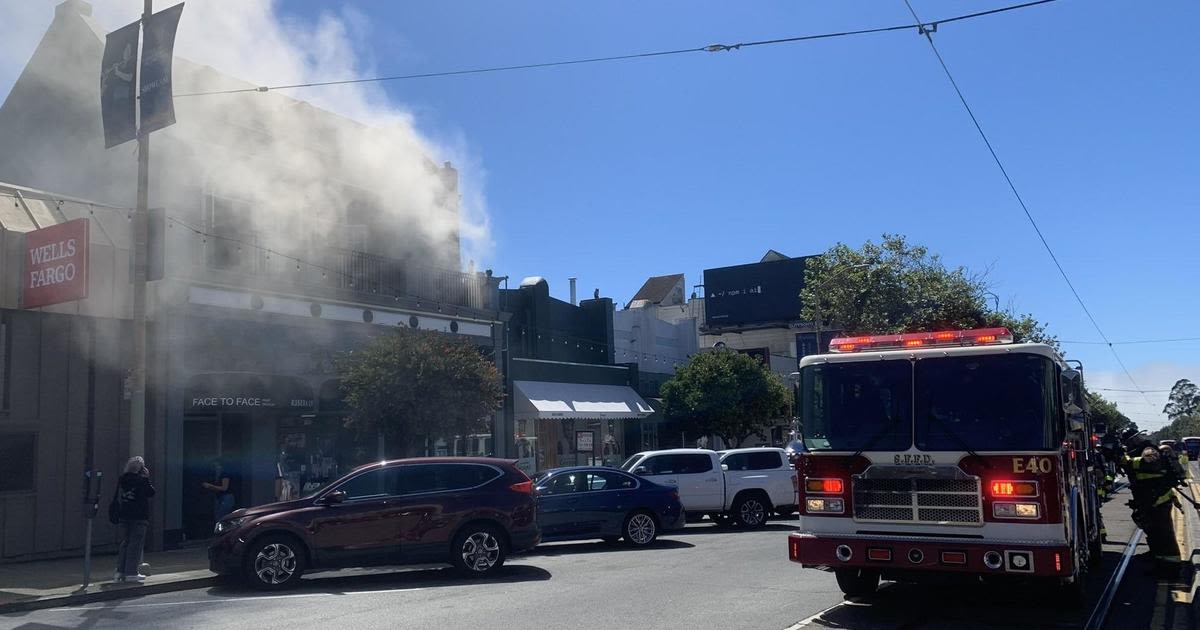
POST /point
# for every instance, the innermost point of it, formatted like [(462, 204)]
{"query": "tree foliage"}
[(896, 286), (411, 384), (727, 394), (1184, 399), (1103, 410)]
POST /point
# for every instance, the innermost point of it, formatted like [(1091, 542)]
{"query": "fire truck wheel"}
[(857, 582)]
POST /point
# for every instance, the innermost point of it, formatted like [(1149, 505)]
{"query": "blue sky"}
[(615, 172)]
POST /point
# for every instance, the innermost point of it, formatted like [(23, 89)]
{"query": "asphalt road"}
[(702, 577)]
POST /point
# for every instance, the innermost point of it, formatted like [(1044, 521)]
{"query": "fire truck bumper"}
[(897, 554)]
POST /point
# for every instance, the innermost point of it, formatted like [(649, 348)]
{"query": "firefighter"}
[(1153, 476)]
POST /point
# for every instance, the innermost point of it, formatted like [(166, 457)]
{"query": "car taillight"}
[(524, 487)]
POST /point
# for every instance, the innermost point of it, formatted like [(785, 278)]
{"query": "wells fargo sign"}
[(56, 264)]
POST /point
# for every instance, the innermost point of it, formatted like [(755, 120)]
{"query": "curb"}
[(108, 595)]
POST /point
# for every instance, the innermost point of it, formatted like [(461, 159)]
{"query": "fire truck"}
[(954, 452)]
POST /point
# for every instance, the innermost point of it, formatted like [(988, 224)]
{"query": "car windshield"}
[(857, 405), (628, 465)]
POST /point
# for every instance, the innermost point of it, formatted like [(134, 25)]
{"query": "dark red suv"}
[(469, 511)]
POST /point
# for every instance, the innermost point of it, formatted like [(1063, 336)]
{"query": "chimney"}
[(573, 301)]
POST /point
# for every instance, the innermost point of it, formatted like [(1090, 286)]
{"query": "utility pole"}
[(137, 403)]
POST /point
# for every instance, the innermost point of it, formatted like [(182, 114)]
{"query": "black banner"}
[(118, 85), (158, 106)]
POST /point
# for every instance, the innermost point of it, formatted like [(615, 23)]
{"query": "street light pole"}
[(137, 402)]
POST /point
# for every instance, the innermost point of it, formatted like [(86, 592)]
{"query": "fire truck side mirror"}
[(1072, 398)]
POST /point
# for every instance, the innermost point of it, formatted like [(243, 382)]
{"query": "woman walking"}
[(134, 491)]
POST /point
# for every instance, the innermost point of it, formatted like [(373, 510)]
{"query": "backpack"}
[(114, 507)]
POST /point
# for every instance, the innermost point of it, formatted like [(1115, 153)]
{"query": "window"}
[(754, 460), (609, 481), (857, 405), (765, 460), (369, 485), (18, 461), (737, 461), (985, 403), (421, 478), (682, 464), (562, 484)]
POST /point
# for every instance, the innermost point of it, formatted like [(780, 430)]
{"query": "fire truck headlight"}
[(1015, 510), (834, 506)]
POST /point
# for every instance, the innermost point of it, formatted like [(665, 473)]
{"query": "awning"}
[(563, 401)]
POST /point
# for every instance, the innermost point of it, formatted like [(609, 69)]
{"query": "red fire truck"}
[(955, 452)]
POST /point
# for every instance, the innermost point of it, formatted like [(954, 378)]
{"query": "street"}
[(702, 577)]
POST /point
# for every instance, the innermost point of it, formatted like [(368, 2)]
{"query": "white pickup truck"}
[(744, 485)]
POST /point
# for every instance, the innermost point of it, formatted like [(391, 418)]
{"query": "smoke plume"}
[(340, 165)]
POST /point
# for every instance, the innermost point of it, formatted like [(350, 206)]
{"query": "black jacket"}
[(134, 501)]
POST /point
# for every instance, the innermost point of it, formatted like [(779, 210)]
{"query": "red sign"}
[(56, 264)]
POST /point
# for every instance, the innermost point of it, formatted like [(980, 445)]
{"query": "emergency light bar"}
[(976, 337)]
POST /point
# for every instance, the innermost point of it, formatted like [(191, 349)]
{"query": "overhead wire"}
[(624, 57), (1137, 341), (928, 33)]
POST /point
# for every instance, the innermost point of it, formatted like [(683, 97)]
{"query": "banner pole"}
[(137, 405)]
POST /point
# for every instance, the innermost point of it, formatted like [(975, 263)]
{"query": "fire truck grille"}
[(916, 500), (874, 513), (934, 515)]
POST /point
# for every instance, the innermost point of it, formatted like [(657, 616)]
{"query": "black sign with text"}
[(753, 294)]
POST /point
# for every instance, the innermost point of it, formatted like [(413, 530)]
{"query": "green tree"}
[(408, 384), (1105, 411), (727, 394), (896, 286), (1184, 399)]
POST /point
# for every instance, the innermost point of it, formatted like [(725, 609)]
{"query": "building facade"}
[(282, 248), (569, 402)]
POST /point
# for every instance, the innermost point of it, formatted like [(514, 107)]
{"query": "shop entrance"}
[(222, 437)]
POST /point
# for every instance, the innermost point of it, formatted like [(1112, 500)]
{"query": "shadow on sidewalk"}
[(36, 579)]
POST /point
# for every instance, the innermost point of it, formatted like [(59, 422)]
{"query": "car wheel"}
[(478, 550), (640, 529), (750, 510), (274, 563), (857, 582)]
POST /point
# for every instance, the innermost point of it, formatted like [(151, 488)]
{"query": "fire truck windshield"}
[(857, 406), (989, 402), (995, 402)]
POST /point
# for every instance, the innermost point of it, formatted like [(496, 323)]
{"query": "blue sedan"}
[(593, 502)]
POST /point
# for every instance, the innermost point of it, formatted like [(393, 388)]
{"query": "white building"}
[(651, 332)]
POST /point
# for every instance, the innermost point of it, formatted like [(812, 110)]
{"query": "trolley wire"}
[(630, 56), (928, 33)]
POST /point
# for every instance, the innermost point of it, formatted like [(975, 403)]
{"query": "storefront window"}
[(579, 442), (314, 451)]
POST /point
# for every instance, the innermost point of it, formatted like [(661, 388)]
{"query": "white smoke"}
[(294, 164)]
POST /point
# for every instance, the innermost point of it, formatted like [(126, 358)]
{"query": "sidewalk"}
[(49, 583), (1156, 603)]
